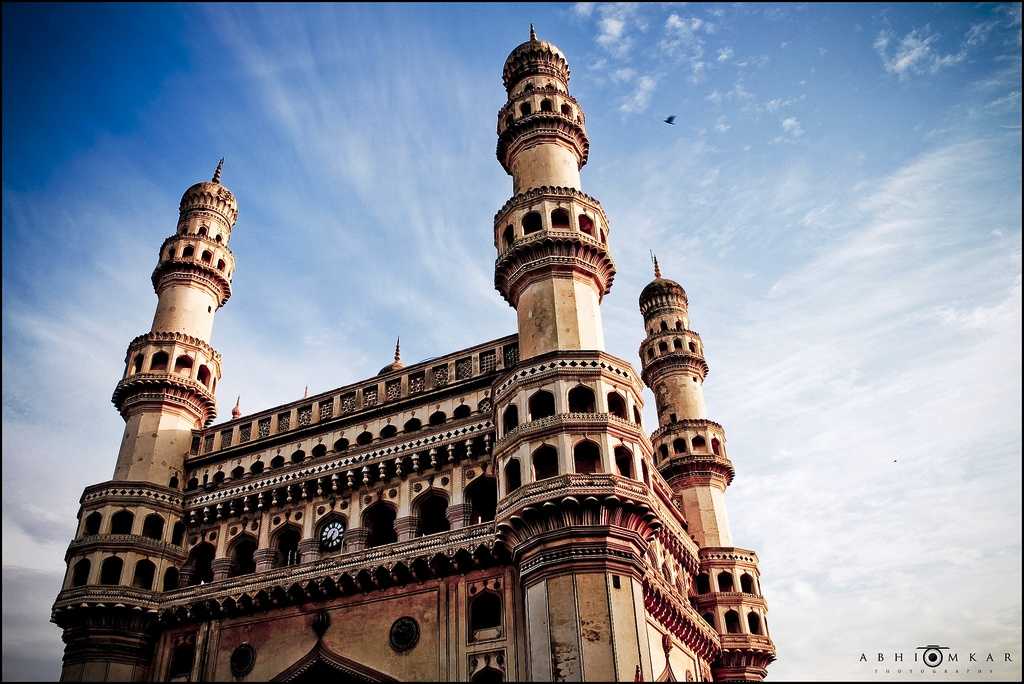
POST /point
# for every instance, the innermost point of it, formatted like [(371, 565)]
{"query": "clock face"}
[(330, 535)]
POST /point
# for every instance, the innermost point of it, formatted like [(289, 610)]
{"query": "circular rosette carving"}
[(404, 634)]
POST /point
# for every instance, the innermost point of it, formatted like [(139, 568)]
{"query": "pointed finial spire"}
[(216, 173), (305, 393), (398, 349), (237, 411), (533, 34), (657, 269)]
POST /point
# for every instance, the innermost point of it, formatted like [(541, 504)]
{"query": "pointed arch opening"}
[(203, 375), (286, 546), (485, 616), (319, 451), (582, 400), (545, 462), (624, 461), (747, 584), (482, 496), (532, 223), (92, 523), (432, 514), (509, 419), (732, 622), (703, 583), (144, 574), (379, 521), (513, 476), (541, 405), (754, 622), (560, 219), (243, 556), (199, 567), (110, 570), (508, 237), (617, 406), (183, 365), (586, 225), (153, 527), (586, 456), (171, 579), (121, 522), (725, 582), (158, 363), (80, 573)]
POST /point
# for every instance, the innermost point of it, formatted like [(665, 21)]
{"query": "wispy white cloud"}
[(640, 98)]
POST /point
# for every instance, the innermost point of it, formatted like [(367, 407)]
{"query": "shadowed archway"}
[(322, 664)]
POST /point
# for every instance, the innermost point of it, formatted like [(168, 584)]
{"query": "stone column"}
[(458, 515), (405, 527), (309, 550), (264, 559), (221, 568), (355, 539)]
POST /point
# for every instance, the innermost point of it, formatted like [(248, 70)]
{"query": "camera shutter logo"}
[(932, 655)]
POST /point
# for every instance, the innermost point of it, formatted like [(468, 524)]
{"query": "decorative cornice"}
[(662, 602), (569, 422), (675, 361), (191, 271), (542, 128), (551, 252), (119, 543), (162, 337), (165, 388), (146, 493)]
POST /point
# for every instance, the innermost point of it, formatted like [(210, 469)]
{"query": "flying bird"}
[(671, 121)]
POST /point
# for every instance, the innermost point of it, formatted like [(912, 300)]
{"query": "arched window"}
[(545, 462), (746, 583), (319, 451), (110, 571), (617, 406), (754, 622), (203, 375), (650, 353), (243, 556), (159, 362), (207, 256), (218, 477), (192, 484), (256, 468), (560, 219), (286, 547), (199, 566), (709, 618), (178, 533), (485, 616), (715, 445), (509, 418), (546, 106), (525, 109), (364, 438), (341, 444), (144, 572), (379, 521), (238, 473), (412, 425), (203, 232), (188, 251), (693, 347), (725, 581), (586, 456), (677, 344), (646, 474), (679, 325), (121, 522), (182, 660), (220, 263), (581, 400), (153, 527), (137, 363), (541, 405), (298, 456), (679, 445), (664, 326), (508, 237), (277, 461), (80, 573), (462, 411), (388, 431), (171, 579), (482, 495), (636, 416), (183, 365), (698, 443), (662, 347), (703, 583), (488, 675), (219, 238), (586, 224), (732, 622), (92, 523), (663, 450), (531, 223), (437, 418), (624, 461), (566, 109), (173, 482), (513, 476), (432, 511)]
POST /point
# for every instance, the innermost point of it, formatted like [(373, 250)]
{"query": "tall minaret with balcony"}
[(691, 455), (129, 543), (171, 372), (553, 263)]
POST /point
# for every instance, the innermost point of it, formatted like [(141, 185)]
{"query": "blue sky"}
[(840, 196)]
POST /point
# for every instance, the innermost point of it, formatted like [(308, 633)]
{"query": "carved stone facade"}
[(497, 513)]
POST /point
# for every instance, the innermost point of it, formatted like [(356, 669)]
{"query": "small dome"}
[(397, 363), (535, 57), (662, 286), (211, 195)]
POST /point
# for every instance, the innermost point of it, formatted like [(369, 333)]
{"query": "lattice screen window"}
[(326, 409), (305, 415), (417, 383), (208, 443), (464, 368), (393, 390), (511, 355), (225, 439), (263, 428), (370, 396), (488, 360), (284, 421), (348, 403), (244, 432), (440, 375), (195, 444)]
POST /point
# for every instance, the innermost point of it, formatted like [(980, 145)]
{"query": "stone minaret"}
[(171, 372), (690, 452), (553, 264), (130, 540)]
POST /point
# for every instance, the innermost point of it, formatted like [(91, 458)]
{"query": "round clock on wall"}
[(330, 536)]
